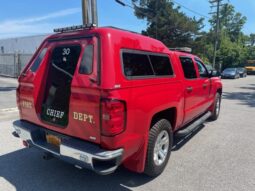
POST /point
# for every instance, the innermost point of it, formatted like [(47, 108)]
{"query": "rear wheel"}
[(216, 109), (159, 148)]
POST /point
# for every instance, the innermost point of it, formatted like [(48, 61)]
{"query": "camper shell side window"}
[(140, 64)]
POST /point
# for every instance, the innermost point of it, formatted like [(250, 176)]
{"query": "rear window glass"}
[(161, 65), (38, 60), (87, 61), (65, 58), (137, 65)]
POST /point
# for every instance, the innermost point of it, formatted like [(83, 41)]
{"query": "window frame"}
[(200, 61), (46, 49), (193, 65), (82, 55), (71, 44), (147, 54)]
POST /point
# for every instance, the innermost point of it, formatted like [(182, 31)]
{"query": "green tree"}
[(167, 23), (232, 54), (231, 22), (232, 50), (251, 39)]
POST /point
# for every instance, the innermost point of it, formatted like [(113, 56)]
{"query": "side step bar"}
[(193, 126)]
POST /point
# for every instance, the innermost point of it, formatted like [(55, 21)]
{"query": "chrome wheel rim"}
[(161, 148)]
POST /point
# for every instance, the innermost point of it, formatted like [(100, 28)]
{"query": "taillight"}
[(17, 97), (113, 117)]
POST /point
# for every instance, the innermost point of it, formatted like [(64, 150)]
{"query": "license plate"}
[(54, 140)]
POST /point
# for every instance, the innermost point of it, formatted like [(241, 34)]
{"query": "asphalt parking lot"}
[(218, 156)]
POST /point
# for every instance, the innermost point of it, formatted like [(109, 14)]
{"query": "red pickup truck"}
[(102, 97)]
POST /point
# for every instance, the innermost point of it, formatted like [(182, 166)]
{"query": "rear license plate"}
[(54, 140)]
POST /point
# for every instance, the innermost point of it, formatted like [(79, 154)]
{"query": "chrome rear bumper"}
[(80, 153)]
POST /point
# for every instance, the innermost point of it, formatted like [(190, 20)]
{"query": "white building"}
[(25, 45)]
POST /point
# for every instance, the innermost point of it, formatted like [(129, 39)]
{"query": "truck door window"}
[(136, 65), (202, 70), (161, 65), (87, 60), (188, 68), (38, 60)]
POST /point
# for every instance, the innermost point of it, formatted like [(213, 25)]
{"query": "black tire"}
[(215, 112), (151, 168)]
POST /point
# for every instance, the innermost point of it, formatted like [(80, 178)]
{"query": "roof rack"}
[(121, 29), (182, 49), (74, 28)]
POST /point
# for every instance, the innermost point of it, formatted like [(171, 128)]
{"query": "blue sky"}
[(33, 17)]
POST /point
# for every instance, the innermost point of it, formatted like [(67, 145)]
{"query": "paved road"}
[(219, 156), (8, 108)]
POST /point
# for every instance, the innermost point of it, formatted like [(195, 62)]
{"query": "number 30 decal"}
[(66, 51)]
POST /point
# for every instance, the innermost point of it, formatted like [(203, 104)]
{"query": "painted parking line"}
[(9, 110)]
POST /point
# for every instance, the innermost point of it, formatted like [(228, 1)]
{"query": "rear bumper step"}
[(74, 151), (193, 126)]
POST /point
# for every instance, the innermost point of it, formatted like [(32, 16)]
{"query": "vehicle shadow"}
[(6, 89), (26, 170), (245, 97), (179, 142)]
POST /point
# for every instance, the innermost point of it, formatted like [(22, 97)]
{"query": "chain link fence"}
[(12, 64)]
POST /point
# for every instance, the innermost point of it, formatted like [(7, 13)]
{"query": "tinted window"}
[(188, 68), (65, 59), (38, 60), (136, 65), (202, 70), (161, 65), (87, 61)]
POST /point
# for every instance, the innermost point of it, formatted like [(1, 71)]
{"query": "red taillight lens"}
[(113, 117), (17, 97)]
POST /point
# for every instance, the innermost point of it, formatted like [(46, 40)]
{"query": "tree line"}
[(167, 23)]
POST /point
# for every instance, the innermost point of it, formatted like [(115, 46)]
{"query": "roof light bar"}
[(182, 49), (74, 28)]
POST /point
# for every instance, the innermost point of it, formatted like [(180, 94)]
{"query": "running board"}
[(187, 130)]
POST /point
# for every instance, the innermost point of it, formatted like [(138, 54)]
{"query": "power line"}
[(125, 4), (191, 10), (140, 11)]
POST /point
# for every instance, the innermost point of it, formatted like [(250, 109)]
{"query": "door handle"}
[(189, 89), (92, 80), (204, 86)]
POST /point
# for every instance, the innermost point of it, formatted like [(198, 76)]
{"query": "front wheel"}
[(216, 109), (159, 148)]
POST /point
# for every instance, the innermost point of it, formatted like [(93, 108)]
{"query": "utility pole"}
[(89, 12), (216, 41)]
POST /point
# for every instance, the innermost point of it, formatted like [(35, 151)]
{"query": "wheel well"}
[(169, 114)]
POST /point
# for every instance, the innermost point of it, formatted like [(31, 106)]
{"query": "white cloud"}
[(33, 25)]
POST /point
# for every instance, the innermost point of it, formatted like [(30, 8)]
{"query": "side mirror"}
[(214, 73)]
